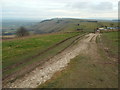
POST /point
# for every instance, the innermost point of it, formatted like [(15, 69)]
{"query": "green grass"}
[(83, 72), (86, 71), (53, 39), (18, 49), (86, 26), (111, 41)]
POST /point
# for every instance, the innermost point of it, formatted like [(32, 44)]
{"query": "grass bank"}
[(19, 49), (111, 41), (41, 43), (83, 72), (93, 69)]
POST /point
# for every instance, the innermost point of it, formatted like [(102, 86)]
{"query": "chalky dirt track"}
[(43, 73)]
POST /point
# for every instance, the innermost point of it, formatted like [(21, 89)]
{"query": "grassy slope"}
[(41, 43), (111, 41), (67, 25), (16, 50), (84, 72)]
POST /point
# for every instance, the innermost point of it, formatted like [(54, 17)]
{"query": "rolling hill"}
[(63, 25)]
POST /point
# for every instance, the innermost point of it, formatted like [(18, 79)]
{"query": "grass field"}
[(85, 26), (20, 50), (83, 72), (90, 71), (67, 25), (111, 41), (21, 55)]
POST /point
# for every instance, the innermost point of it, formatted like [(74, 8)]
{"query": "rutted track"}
[(13, 76), (56, 63), (17, 64)]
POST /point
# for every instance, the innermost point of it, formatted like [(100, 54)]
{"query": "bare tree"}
[(111, 24), (22, 32)]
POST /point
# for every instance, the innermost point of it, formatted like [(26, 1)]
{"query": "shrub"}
[(22, 32)]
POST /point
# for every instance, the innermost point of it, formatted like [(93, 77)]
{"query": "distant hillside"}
[(9, 27), (63, 25), (116, 20), (56, 25)]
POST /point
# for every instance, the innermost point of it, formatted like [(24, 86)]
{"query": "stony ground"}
[(92, 68)]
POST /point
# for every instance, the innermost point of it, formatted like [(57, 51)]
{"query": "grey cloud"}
[(103, 6), (59, 8), (90, 6), (79, 5)]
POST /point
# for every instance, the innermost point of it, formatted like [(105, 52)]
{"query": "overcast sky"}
[(44, 9)]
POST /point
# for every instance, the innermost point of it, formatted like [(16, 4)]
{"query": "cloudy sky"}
[(44, 9)]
